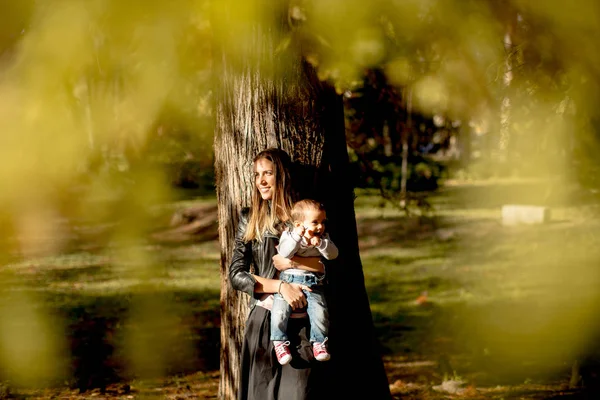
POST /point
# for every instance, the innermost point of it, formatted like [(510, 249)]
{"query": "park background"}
[(452, 110)]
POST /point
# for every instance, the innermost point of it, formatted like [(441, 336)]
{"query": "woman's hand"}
[(292, 293), (281, 263)]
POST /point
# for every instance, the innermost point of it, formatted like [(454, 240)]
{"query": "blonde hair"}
[(266, 215), (300, 207)]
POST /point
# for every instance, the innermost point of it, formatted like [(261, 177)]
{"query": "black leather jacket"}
[(247, 254)]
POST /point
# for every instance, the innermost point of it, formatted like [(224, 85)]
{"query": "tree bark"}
[(272, 98), (505, 105)]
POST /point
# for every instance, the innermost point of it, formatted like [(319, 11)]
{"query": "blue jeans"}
[(317, 309)]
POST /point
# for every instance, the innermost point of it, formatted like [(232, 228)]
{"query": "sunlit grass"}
[(193, 267), (496, 297)]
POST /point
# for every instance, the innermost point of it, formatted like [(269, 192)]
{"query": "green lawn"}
[(456, 292), (501, 304)]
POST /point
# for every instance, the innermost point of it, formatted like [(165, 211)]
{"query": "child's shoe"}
[(282, 352), (320, 351)]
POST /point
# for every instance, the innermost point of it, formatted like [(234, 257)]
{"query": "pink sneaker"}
[(282, 352), (320, 351)]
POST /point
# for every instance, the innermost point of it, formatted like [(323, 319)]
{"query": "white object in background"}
[(522, 214)]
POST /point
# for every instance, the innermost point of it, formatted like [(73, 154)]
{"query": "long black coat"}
[(256, 255)]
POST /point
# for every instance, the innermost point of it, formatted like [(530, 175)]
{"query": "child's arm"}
[(289, 243), (327, 248)]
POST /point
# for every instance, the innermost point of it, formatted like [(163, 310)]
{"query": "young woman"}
[(262, 377)]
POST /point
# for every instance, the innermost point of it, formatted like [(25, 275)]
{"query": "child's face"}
[(314, 223)]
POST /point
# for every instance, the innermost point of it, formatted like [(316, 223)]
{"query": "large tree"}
[(269, 96)]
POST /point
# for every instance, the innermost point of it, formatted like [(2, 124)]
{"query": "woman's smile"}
[(264, 178)]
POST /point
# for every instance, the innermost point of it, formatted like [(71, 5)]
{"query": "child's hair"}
[(300, 207)]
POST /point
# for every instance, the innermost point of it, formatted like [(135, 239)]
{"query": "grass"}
[(98, 301), (501, 304), (456, 294)]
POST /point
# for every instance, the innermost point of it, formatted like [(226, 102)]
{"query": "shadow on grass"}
[(88, 273), (502, 343), (99, 328), (115, 324)]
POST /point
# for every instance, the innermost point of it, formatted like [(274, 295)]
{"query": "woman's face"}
[(264, 178)]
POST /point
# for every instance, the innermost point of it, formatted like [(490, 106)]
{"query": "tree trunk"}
[(272, 98), (505, 106), (406, 134)]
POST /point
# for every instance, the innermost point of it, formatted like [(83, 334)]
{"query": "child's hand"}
[(299, 229), (315, 241)]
